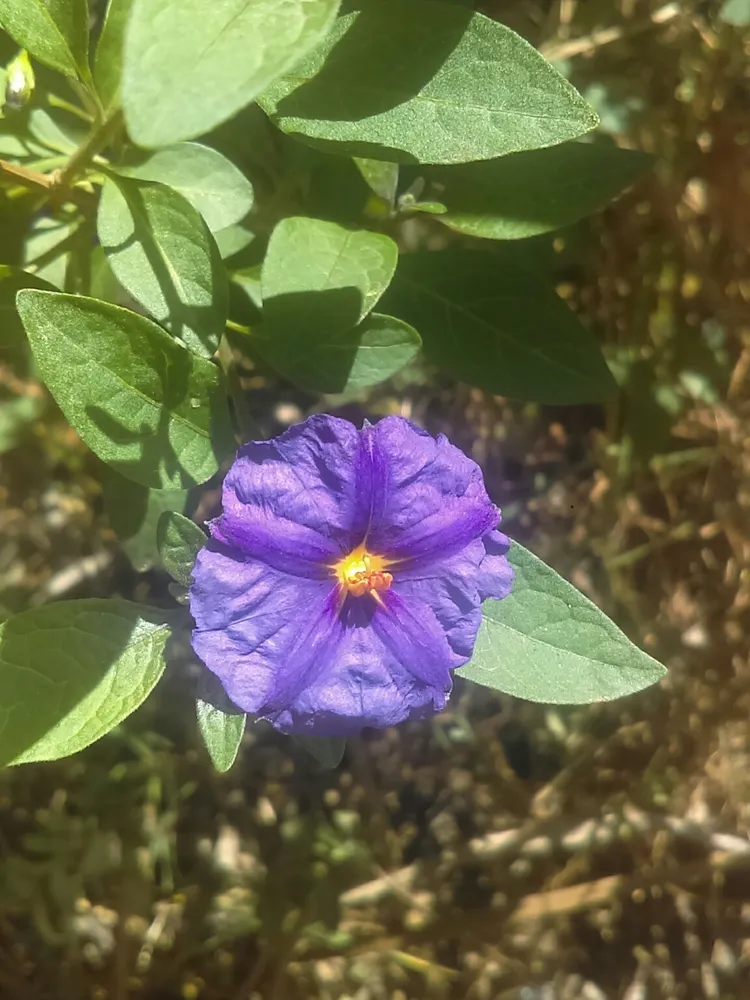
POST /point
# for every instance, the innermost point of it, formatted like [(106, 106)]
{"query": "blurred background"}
[(503, 851)]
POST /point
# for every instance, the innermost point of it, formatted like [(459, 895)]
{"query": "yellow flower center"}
[(361, 573)]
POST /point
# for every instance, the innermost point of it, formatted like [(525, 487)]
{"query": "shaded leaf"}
[(161, 251), (365, 355), (15, 417), (535, 192), (188, 70), (109, 53), (327, 751), (56, 32), (70, 672), (381, 177), (221, 723), (141, 402), (427, 82), (494, 325), (179, 540), (347, 270), (11, 281), (134, 512), (209, 181), (547, 642)]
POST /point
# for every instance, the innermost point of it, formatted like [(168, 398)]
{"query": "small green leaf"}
[(327, 751), (56, 130), (426, 82), (319, 278), (46, 236), (209, 181), (179, 540), (534, 192), (134, 513), (354, 359), (11, 281), (141, 402), (161, 251), (109, 53), (547, 642), (71, 672), (56, 32), (381, 177), (190, 67), (221, 723), (492, 324)]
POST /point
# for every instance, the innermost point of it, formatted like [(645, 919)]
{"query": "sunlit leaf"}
[(140, 401), (547, 642), (70, 672)]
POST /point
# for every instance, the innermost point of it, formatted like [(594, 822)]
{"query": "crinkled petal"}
[(434, 501), (363, 684), (253, 622), (291, 502), (495, 576)]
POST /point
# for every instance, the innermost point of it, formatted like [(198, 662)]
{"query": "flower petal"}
[(291, 501), (435, 502), (495, 577), (251, 621), (363, 684)]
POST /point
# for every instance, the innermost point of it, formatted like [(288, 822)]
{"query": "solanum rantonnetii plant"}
[(231, 178)]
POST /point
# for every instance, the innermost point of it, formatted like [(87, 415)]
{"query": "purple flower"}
[(342, 584)]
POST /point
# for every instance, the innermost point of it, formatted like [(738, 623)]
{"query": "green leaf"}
[(55, 130), (427, 82), (71, 672), (381, 177), (221, 723), (109, 53), (736, 12), (179, 540), (161, 251), (319, 278), (492, 324), (327, 751), (190, 67), (209, 181), (534, 192), (11, 281), (547, 642), (46, 235), (142, 403), (354, 359), (56, 32), (134, 513)]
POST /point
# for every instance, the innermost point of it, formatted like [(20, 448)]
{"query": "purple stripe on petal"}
[(371, 483), (313, 647), (414, 635), (278, 542), (444, 533)]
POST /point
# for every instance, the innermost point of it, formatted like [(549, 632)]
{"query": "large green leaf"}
[(427, 82), (161, 251), (353, 359), (109, 54), (179, 540), (142, 403), (71, 672), (190, 66), (134, 512), (534, 192), (547, 642), (56, 32), (492, 324), (319, 278), (221, 723), (209, 181), (11, 281)]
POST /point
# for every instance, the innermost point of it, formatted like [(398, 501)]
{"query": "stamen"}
[(362, 573)]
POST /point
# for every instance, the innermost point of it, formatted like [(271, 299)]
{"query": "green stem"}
[(93, 144), (245, 422)]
